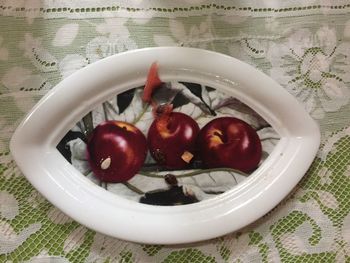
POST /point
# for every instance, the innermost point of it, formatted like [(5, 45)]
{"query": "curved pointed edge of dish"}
[(33, 148)]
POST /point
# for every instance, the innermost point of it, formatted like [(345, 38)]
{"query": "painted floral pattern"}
[(195, 180)]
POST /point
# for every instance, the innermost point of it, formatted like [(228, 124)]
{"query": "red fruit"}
[(116, 151), (171, 139), (229, 142)]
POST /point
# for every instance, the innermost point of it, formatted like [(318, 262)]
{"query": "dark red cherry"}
[(172, 138), (229, 142), (116, 151)]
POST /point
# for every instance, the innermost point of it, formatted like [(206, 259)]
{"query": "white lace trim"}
[(167, 8)]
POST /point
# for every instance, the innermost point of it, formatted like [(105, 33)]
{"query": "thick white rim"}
[(33, 146)]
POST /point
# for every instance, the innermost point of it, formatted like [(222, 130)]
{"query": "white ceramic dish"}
[(33, 146)]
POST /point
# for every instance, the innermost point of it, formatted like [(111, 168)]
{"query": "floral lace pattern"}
[(303, 45), (314, 69)]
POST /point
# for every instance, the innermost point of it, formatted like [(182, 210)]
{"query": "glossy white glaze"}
[(33, 146)]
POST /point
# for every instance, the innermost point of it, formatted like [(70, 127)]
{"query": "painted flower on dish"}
[(169, 175), (313, 66)]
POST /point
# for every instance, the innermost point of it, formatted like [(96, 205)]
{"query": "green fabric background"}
[(304, 45)]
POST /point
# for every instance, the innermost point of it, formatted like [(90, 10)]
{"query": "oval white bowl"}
[(33, 147)]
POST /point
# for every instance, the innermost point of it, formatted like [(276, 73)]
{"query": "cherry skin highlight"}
[(172, 138), (116, 151), (229, 142)]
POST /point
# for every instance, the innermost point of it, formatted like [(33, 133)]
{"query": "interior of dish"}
[(151, 184)]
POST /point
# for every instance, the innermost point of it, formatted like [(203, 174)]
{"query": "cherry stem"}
[(139, 117), (196, 172), (133, 188)]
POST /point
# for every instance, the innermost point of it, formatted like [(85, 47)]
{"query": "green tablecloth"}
[(303, 45)]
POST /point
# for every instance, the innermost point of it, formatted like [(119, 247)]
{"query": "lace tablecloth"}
[(303, 45)]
